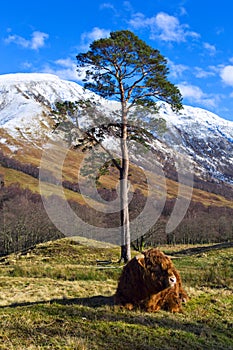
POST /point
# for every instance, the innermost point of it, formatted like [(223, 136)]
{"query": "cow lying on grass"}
[(150, 281)]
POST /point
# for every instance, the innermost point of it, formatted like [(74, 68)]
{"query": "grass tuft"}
[(58, 296)]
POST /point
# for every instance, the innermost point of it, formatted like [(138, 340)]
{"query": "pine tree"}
[(125, 68)]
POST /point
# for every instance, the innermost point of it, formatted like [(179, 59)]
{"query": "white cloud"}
[(65, 68), (65, 62), (163, 26), (112, 10), (66, 73), (191, 91), (211, 48), (201, 73), (26, 65), (176, 70), (107, 5), (18, 40), (227, 75), (194, 94), (182, 11), (88, 37), (36, 42), (170, 28), (140, 21)]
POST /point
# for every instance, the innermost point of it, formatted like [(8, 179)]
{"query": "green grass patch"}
[(60, 296)]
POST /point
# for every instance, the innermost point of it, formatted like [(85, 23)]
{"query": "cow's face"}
[(170, 277), (166, 277), (161, 275)]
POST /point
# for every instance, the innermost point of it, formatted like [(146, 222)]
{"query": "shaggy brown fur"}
[(168, 299), (152, 282)]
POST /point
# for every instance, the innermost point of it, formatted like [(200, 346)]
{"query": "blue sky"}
[(194, 36)]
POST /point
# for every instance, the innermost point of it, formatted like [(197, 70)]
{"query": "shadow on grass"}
[(94, 302), (203, 249), (94, 308), (101, 309)]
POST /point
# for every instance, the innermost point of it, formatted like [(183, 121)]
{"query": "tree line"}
[(24, 221), (201, 225)]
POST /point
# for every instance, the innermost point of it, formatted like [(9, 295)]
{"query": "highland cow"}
[(168, 299), (150, 281)]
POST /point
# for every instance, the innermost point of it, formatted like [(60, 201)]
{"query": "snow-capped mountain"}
[(26, 102), (26, 118), (204, 136)]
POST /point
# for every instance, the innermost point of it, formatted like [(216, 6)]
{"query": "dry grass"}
[(57, 296)]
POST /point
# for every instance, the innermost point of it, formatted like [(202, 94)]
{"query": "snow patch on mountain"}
[(27, 101)]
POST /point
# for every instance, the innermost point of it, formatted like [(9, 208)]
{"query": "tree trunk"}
[(124, 210)]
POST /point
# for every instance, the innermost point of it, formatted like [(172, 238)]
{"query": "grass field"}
[(59, 296)]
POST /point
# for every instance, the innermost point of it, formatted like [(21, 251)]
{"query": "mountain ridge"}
[(27, 102)]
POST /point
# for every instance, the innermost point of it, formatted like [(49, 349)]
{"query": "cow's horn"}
[(139, 256)]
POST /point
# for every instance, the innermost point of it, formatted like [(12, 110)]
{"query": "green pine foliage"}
[(126, 68)]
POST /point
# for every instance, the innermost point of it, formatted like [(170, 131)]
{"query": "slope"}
[(27, 116), (58, 296)]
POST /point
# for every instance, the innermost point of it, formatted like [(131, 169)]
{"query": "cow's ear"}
[(141, 260)]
